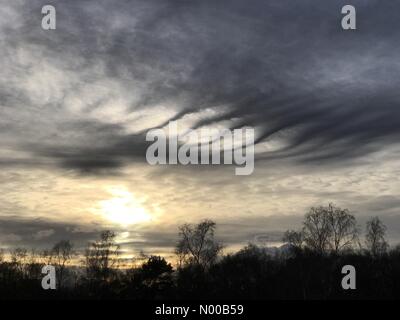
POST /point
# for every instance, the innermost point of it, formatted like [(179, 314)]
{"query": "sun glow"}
[(123, 208)]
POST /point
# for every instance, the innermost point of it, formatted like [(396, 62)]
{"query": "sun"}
[(123, 208)]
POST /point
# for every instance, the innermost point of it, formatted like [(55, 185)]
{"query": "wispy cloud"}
[(76, 102)]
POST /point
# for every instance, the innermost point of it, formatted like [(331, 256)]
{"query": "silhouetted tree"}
[(375, 237), (19, 260), (154, 267), (155, 276), (62, 253), (102, 256), (342, 227), (330, 228), (197, 244), (316, 228), (294, 238), (46, 257)]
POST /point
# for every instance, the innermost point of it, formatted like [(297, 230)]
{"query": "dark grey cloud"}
[(39, 233), (277, 66)]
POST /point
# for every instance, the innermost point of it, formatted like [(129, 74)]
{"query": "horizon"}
[(128, 259)]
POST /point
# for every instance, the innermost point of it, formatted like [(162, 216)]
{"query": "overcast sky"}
[(76, 103)]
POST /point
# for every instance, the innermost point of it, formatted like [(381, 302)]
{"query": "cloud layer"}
[(84, 94), (76, 102)]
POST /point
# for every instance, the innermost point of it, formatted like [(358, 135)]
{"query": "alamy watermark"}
[(349, 280), (49, 280), (203, 146), (49, 18), (348, 21)]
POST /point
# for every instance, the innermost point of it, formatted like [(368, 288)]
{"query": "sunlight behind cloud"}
[(123, 208)]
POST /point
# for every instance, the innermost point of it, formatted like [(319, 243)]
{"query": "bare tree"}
[(197, 244), (32, 265), (1, 255), (330, 228), (19, 259), (316, 228), (46, 257), (61, 253), (294, 238), (101, 257), (343, 228), (375, 237)]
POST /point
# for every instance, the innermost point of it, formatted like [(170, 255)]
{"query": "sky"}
[(76, 104)]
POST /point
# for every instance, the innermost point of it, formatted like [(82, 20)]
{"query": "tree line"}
[(334, 230), (307, 266)]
